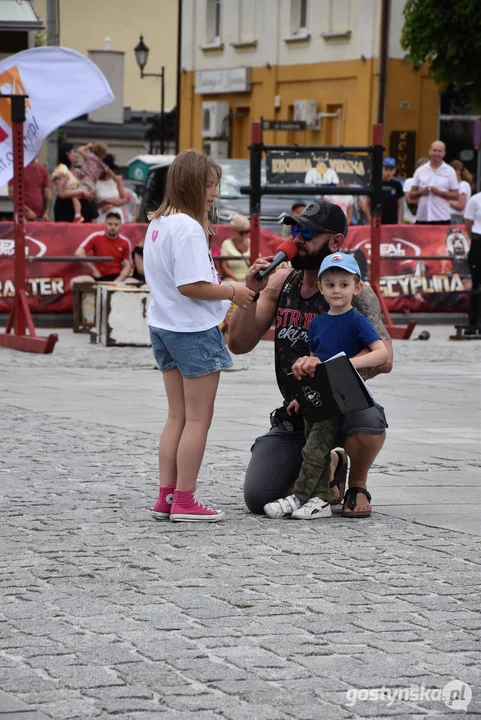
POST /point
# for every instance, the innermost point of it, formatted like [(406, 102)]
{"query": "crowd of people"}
[(409, 200), (87, 184), (88, 187)]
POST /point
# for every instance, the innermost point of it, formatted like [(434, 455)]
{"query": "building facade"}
[(108, 34), (310, 60)]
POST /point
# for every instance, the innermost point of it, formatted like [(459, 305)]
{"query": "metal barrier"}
[(374, 191)]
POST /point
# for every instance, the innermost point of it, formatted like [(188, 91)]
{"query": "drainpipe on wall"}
[(383, 60)]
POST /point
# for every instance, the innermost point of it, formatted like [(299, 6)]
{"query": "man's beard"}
[(310, 261)]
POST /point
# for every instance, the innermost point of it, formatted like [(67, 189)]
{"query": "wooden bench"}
[(84, 298)]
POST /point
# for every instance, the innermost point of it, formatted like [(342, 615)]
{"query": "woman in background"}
[(465, 180), (109, 190), (65, 179)]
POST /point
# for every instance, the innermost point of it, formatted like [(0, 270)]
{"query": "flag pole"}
[(20, 318)]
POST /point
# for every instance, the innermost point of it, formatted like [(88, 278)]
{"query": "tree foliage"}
[(447, 35)]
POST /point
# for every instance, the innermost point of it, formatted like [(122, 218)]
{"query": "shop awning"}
[(18, 15)]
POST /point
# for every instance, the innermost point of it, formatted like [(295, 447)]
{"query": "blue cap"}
[(342, 261), (389, 162)]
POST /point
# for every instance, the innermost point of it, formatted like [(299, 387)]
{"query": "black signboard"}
[(283, 125), (289, 167), (402, 147)]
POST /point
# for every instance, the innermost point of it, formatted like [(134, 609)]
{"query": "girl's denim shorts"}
[(194, 354)]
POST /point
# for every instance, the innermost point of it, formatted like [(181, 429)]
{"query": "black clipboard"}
[(335, 389)]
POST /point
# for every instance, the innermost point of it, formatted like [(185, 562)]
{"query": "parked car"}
[(235, 174)]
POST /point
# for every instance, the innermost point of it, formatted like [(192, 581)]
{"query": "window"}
[(299, 17), (247, 20), (303, 15), (339, 20), (214, 21)]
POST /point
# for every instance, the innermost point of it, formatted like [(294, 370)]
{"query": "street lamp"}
[(141, 51)]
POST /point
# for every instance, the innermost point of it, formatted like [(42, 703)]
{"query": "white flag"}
[(61, 84)]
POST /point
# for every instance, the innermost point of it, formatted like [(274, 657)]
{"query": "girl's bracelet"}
[(233, 292)]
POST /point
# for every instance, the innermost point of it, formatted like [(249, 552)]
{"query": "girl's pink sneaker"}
[(186, 508), (161, 509)]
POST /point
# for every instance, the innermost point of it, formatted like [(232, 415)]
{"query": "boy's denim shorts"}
[(194, 354)]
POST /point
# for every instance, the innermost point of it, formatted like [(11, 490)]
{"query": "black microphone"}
[(286, 251)]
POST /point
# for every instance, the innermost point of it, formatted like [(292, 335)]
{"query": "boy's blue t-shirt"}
[(350, 332)]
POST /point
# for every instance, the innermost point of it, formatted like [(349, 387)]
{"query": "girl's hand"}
[(257, 285), (293, 408), (242, 296), (305, 366)]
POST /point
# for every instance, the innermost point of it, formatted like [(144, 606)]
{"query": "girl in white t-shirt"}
[(188, 303)]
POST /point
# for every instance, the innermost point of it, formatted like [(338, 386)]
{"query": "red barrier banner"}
[(48, 283), (418, 284), (408, 285)]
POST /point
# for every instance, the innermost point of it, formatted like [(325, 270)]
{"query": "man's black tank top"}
[(293, 317)]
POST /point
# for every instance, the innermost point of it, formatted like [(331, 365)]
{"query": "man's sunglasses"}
[(305, 234), (242, 232)]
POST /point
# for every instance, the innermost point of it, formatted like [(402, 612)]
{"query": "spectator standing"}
[(472, 221), (392, 203), (410, 206), (465, 180), (107, 243), (238, 246), (36, 191), (109, 190), (67, 186), (434, 184)]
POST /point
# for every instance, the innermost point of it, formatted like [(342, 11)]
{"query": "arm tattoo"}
[(368, 304)]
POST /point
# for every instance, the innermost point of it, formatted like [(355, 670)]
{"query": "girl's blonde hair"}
[(185, 186), (465, 174), (99, 149)]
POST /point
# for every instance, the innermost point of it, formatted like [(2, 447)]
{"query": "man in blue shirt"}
[(341, 329)]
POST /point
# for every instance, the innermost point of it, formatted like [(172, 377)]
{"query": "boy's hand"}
[(305, 366), (293, 408)]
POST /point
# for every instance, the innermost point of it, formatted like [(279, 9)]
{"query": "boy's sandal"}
[(350, 502), (340, 476)]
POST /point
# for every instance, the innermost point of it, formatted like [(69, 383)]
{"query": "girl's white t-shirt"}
[(176, 253)]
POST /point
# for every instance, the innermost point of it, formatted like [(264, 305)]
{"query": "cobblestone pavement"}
[(107, 614)]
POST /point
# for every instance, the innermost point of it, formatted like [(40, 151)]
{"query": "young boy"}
[(342, 329)]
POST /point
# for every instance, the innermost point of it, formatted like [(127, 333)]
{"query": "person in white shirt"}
[(434, 185), (321, 174), (465, 180), (472, 222), (410, 205), (188, 303)]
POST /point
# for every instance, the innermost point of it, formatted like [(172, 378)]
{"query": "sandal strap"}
[(350, 498), (340, 471)]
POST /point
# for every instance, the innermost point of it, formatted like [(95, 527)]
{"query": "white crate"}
[(121, 315)]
